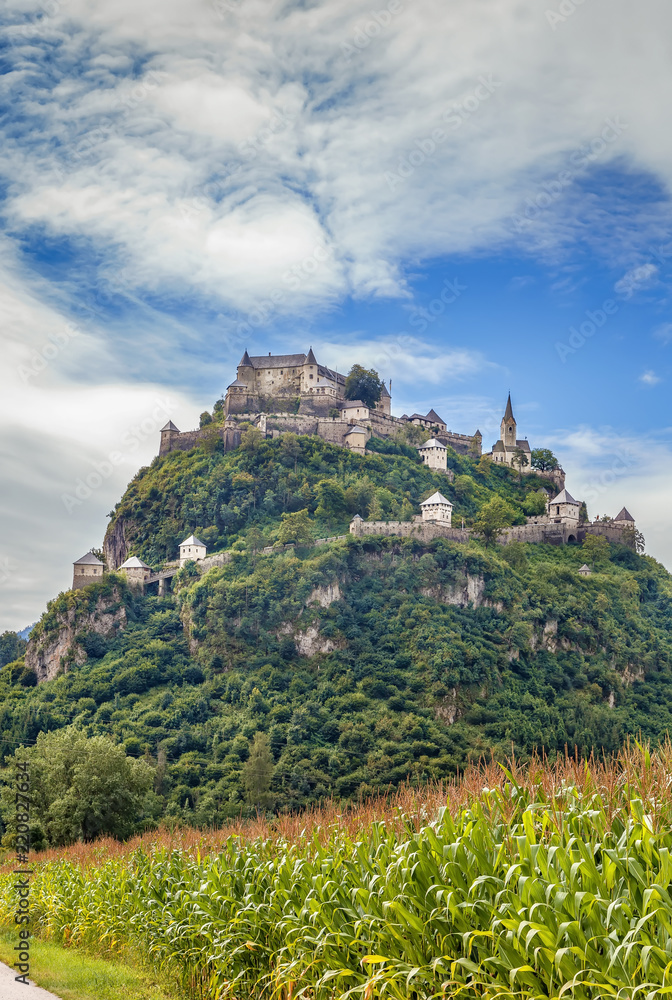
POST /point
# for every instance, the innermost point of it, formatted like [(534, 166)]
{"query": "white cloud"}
[(517, 107), (405, 359), (635, 279), (663, 333), (650, 378)]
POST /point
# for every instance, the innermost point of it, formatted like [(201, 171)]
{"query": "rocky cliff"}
[(63, 642)]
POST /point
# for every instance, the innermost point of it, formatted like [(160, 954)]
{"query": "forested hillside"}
[(339, 669)]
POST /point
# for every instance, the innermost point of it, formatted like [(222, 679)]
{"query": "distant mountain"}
[(25, 632)]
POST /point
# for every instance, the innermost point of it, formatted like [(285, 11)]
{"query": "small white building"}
[(354, 410), (136, 571), (585, 570), (437, 508), (86, 570), (192, 548), (356, 439), (434, 454), (564, 509)]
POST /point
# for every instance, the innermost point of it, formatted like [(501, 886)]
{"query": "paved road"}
[(11, 990)]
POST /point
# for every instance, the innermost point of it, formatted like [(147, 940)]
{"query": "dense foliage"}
[(363, 662), (547, 884)]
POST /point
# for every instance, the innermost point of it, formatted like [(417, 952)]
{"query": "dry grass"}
[(648, 776)]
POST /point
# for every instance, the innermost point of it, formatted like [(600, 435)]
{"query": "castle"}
[(294, 392)]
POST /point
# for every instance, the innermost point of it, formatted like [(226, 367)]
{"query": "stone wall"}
[(463, 444), (535, 534), (425, 531), (84, 576), (186, 440)]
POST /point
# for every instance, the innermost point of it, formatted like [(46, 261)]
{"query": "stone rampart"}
[(425, 531), (186, 440)]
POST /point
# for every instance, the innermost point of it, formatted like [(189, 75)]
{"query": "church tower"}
[(507, 428)]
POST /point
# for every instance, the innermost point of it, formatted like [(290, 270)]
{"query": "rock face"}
[(466, 591), (49, 654), (115, 546), (326, 595), (308, 641)]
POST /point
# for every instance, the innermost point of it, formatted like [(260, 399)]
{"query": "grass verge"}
[(76, 975)]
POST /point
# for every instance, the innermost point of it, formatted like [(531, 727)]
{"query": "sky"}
[(471, 196)]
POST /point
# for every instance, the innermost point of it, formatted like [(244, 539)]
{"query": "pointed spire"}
[(508, 415), (245, 360), (310, 360)]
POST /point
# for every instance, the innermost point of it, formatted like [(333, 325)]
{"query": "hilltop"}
[(361, 661)]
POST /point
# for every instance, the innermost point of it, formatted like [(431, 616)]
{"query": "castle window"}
[(310, 376)]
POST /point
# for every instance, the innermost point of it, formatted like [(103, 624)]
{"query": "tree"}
[(364, 384), (493, 516), (633, 538), (81, 787), (534, 504), (296, 528), (520, 460), (12, 647), (205, 419), (544, 460), (595, 550), (258, 772), (332, 505)]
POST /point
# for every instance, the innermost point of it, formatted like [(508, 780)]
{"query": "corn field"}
[(544, 881)]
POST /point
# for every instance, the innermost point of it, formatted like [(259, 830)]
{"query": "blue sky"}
[(180, 181)]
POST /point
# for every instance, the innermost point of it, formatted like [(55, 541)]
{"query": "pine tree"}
[(258, 773)]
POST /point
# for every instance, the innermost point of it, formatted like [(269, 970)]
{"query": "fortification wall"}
[(186, 440), (612, 532), (423, 530), (463, 444)]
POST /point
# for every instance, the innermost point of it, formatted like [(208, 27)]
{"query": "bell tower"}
[(508, 430)]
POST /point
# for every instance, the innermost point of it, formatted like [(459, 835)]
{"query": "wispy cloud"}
[(650, 378)]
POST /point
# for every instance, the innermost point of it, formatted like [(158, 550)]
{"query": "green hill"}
[(363, 662)]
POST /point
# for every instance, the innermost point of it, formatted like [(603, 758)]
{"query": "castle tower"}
[(309, 372), (167, 434), (437, 508), (246, 372), (564, 508), (507, 428), (88, 569)]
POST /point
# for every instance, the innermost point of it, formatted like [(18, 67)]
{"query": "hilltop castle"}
[(294, 392), (281, 380)]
